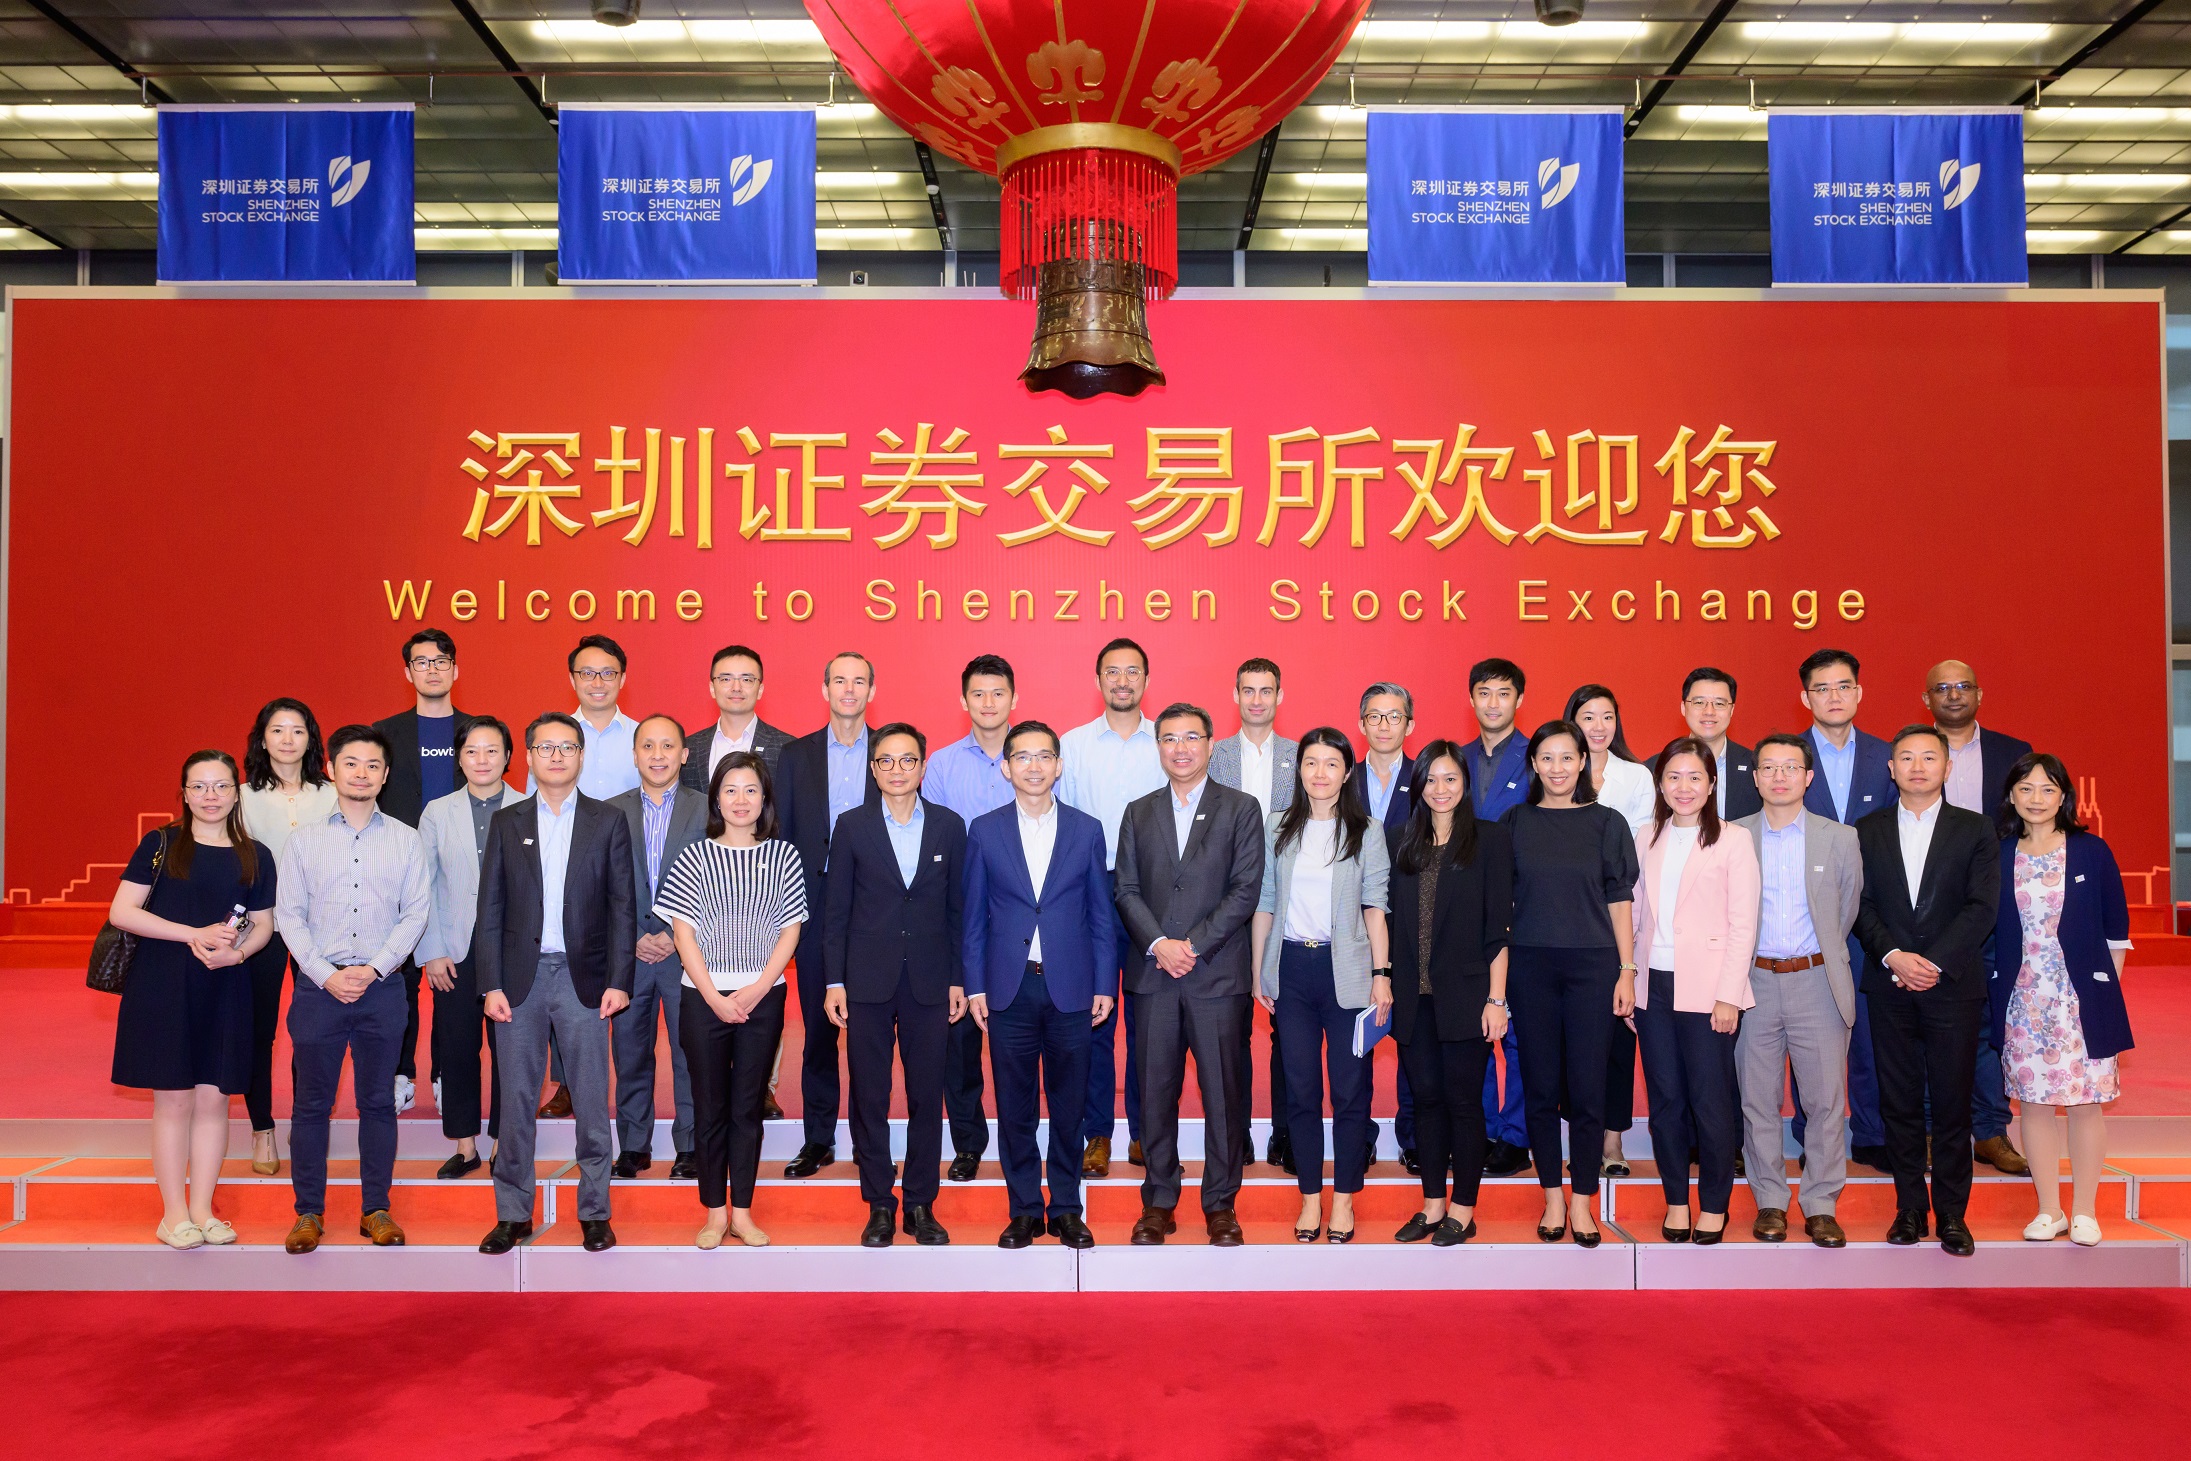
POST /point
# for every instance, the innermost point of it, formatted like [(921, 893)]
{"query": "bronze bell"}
[(1091, 330)]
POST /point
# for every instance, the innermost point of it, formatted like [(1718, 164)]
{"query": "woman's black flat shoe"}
[(1551, 1235), (1450, 1234), (1675, 1235), (1587, 1240), (1307, 1235), (1416, 1229), (1335, 1236)]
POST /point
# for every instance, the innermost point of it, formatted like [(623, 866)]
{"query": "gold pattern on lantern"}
[(1181, 87), (965, 92), (947, 142), (1232, 129), (1066, 73)]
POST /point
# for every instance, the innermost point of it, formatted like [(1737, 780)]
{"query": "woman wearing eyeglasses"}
[(197, 894)]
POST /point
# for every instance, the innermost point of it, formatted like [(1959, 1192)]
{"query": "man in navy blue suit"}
[(1498, 781), (1041, 969), (1851, 782)]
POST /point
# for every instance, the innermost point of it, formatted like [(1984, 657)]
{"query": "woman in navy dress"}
[(184, 1030)]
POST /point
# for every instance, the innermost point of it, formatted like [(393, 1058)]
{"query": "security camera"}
[(624, 12), (1551, 12), (859, 276)]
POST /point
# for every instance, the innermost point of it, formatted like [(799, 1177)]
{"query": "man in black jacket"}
[(1932, 883), (734, 683), (892, 941), (422, 750), (554, 950)]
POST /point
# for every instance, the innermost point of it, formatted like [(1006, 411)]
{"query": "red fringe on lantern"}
[(1090, 203)]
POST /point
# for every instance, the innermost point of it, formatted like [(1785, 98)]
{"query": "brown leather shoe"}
[(1152, 1225), (1996, 1153), (770, 1111), (1824, 1231), (1133, 1154), (381, 1228), (1096, 1160), (1224, 1228), (1771, 1225), (305, 1236), (558, 1105)]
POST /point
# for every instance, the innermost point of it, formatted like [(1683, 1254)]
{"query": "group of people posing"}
[(1911, 930)]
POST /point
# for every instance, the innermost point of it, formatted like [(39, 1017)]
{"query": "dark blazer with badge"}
[(877, 925), (700, 748), (1958, 900), (1739, 783), (688, 823), (600, 930), (1205, 897), (1402, 805)]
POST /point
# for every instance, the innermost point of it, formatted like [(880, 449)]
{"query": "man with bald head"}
[(1978, 767)]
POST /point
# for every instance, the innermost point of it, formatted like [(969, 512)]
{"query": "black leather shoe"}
[(964, 1167), (1020, 1231), (1280, 1153), (882, 1228), (1415, 1229), (630, 1165), (1369, 1158), (1955, 1238), (458, 1165), (600, 1237), (1588, 1240), (1410, 1163), (505, 1237), (1551, 1235), (1071, 1231), (811, 1159), (1284, 1159), (1504, 1159), (921, 1223), (1906, 1229), (1706, 1237), (1450, 1234), (685, 1169), (1675, 1235)]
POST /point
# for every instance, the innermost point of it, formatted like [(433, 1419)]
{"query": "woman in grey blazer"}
[(1324, 873)]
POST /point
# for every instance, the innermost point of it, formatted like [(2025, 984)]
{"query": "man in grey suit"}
[(664, 818), (1190, 871), (1806, 998), (1259, 761), (734, 683)]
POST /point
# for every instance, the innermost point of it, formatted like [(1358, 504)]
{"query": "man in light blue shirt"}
[(968, 776), (1109, 762), (597, 674)]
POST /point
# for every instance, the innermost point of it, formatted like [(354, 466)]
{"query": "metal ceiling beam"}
[(1263, 158), (935, 192), (2102, 41), (1689, 50), (100, 49), (11, 221), (501, 53), (2165, 224)]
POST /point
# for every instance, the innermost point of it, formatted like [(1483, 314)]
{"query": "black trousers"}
[(1170, 1026), (1921, 1043), (820, 1082), (1620, 1078), (1447, 1076), (962, 1087), (1689, 1076), (1563, 1005), (729, 1066), (407, 1056), (460, 1024), (269, 972), (919, 1035)]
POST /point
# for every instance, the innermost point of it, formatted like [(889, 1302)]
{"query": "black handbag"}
[(113, 951)]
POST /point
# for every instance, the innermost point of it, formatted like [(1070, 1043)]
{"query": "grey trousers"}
[(583, 1037), (1795, 1023), (631, 1034)]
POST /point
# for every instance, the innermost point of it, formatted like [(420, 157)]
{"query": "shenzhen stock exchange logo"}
[(1557, 181), (346, 188), (747, 178), (1957, 182)]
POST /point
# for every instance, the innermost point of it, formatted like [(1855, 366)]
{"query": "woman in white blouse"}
[(285, 786), (734, 904), (1624, 784)]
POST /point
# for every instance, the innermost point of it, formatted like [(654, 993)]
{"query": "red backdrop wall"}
[(216, 501)]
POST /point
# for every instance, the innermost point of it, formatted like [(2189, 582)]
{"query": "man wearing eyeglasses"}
[(1382, 779), (734, 682), (1978, 767), (1708, 709), (1107, 763), (422, 747)]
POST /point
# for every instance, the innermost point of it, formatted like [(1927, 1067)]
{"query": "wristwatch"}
[(1497, 1001), (1384, 973)]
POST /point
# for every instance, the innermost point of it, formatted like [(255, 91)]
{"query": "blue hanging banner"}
[(286, 194), (1495, 195), (653, 195), (1864, 196)]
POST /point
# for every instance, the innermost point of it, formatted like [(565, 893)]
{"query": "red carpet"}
[(2001, 1374)]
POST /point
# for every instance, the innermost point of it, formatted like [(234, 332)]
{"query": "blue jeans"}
[(322, 1029)]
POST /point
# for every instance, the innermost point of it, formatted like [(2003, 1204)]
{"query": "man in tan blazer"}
[(1812, 881)]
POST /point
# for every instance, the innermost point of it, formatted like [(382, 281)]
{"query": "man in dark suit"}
[(663, 818), (1708, 709), (1978, 767), (1382, 778), (820, 777), (1190, 869), (734, 682), (1041, 965), (893, 944), (1849, 782), (1932, 883), (555, 946), (422, 751)]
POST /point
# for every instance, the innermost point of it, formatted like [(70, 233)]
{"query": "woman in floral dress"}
[(2057, 1002)]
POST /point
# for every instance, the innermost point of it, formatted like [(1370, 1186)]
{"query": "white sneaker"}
[(2044, 1229), (2084, 1231), (406, 1094), (437, 1094)]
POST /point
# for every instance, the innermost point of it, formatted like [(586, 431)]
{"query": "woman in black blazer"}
[(1452, 897)]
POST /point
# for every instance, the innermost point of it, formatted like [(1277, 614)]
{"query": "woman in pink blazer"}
[(1696, 928)]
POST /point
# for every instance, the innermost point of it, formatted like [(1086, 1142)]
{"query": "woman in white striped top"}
[(734, 904)]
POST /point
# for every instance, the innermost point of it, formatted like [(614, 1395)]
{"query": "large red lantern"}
[(1089, 113)]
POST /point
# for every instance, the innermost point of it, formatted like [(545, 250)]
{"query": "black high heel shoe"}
[(1674, 1235), (1706, 1237)]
